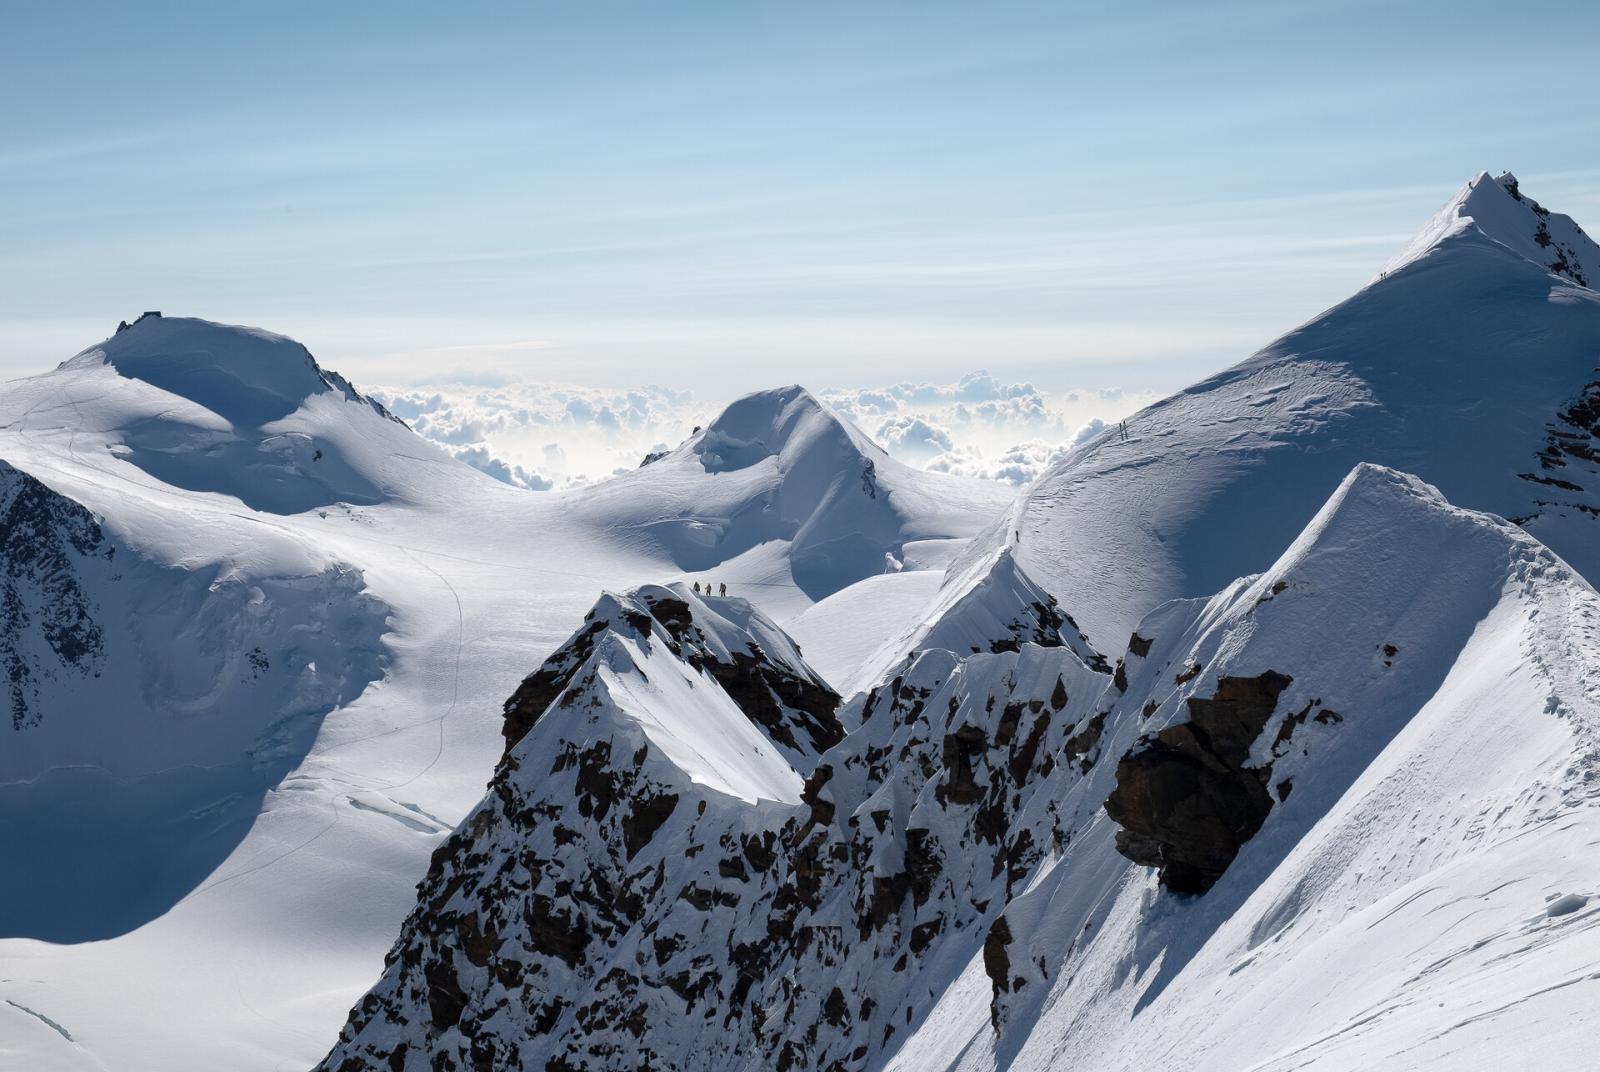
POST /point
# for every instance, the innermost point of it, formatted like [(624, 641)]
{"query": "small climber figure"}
[(1122, 428), (697, 588), (722, 589)]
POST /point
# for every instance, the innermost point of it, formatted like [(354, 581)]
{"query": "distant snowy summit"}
[(247, 376), (782, 486)]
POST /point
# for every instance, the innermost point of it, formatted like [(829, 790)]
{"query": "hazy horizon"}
[(721, 198)]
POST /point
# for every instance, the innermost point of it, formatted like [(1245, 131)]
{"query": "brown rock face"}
[(997, 964), (540, 689), (1184, 798), (795, 712)]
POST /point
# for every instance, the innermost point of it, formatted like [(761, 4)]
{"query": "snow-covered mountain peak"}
[(235, 411), (987, 603), (781, 490), (1472, 366), (787, 423), (1376, 501), (1496, 207), (246, 376), (637, 651)]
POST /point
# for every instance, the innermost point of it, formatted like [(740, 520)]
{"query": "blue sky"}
[(727, 196)]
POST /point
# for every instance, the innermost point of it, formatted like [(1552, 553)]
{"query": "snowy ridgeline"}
[(1217, 748), (667, 872)]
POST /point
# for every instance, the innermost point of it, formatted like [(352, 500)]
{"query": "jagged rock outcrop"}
[(988, 603), (1186, 797), (624, 841), (617, 880), (634, 893), (49, 621), (753, 661)]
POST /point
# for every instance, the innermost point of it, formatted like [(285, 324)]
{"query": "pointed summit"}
[(782, 478), (1472, 366), (1497, 208), (787, 423)]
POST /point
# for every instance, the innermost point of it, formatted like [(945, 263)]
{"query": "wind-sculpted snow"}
[(1498, 208), (1461, 364), (238, 423), (246, 376), (986, 602), (1407, 698)]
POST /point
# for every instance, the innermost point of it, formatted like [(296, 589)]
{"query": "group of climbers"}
[(722, 589)]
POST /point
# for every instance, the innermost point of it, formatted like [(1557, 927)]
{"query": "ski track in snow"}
[(42, 1018)]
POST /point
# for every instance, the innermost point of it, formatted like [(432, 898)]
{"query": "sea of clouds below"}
[(541, 435)]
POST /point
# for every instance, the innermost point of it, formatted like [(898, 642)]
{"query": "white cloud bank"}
[(540, 436)]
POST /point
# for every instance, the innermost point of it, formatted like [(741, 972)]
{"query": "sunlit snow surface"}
[(1424, 898), (275, 834), (1454, 366)]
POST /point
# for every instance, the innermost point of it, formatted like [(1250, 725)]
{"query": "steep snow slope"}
[(1524, 226), (985, 602), (151, 704), (254, 499), (672, 921), (1309, 805), (779, 473), (1408, 887), (648, 762), (1472, 363), (1385, 832), (253, 420), (842, 633)]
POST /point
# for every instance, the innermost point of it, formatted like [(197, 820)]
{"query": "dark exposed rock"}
[(644, 819), (540, 689), (997, 963), (446, 999), (961, 748), (574, 933), (757, 686), (786, 705), (1082, 743), (45, 538), (1184, 798)]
